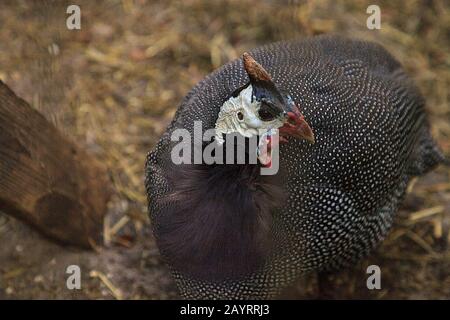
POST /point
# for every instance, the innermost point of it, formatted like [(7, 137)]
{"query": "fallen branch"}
[(46, 180)]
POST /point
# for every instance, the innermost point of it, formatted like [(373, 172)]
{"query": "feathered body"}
[(227, 232)]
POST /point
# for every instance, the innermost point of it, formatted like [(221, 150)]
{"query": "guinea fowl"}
[(226, 230)]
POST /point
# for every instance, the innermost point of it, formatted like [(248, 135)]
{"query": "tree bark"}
[(46, 180)]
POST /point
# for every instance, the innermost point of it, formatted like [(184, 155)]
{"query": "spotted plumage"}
[(230, 233)]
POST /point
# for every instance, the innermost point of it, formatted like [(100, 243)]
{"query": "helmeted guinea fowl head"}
[(258, 107)]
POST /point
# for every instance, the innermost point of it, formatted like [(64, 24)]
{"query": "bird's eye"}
[(240, 116), (265, 115)]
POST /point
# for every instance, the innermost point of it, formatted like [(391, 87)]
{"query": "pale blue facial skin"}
[(240, 115)]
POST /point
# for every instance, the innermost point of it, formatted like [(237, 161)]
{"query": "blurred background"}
[(114, 86)]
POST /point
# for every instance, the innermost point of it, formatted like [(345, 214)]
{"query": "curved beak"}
[(296, 126)]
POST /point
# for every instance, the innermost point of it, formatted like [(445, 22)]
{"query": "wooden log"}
[(46, 180)]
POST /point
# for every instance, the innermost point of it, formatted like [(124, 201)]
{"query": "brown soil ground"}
[(115, 84)]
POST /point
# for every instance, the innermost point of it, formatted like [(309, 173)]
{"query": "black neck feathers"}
[(217, 220)]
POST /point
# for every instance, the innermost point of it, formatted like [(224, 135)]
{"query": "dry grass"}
[(115, 85)]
